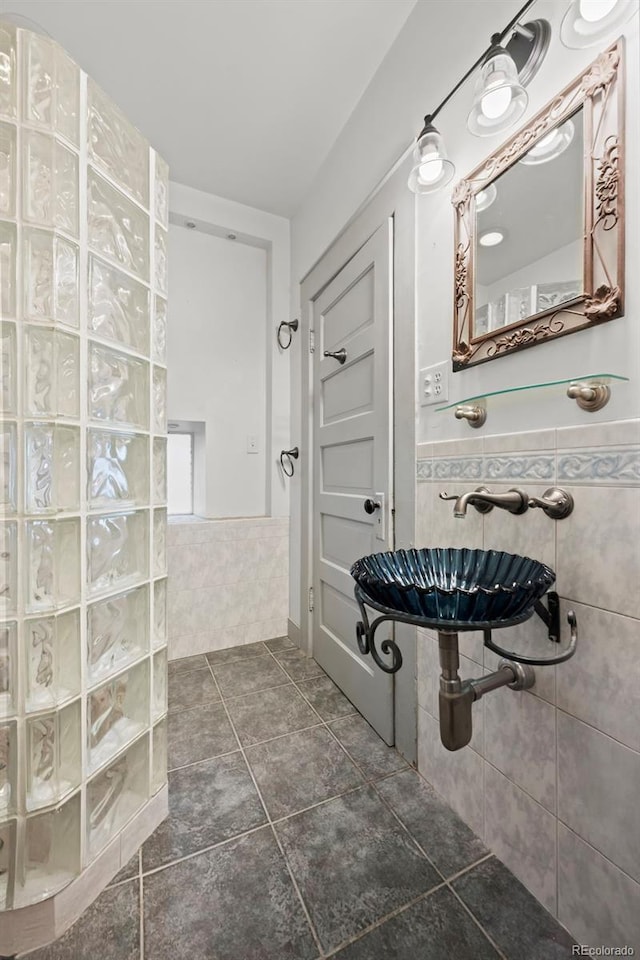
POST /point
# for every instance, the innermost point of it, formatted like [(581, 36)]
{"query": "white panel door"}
[(353, 419)]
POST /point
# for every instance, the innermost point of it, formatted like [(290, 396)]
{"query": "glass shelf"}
[(597, 377)]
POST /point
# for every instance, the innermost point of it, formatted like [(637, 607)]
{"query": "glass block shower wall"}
[(83, 278)]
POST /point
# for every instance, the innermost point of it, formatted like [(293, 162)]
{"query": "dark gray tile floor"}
[(295, 833)]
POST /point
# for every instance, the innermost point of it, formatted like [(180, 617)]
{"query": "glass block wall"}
[(83, 285)]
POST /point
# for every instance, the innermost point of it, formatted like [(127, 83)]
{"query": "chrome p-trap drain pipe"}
[(457, 696)]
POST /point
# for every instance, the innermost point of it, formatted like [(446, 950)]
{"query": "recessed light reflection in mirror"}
[(593, 10), (550, 146), (491, 238), (484, 198)]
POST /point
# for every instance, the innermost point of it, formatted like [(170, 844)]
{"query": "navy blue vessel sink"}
[(454, 588)]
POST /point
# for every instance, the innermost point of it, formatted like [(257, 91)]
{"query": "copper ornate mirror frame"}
[(600, 92)]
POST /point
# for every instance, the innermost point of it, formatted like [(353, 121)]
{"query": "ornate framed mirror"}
[(539, 242)]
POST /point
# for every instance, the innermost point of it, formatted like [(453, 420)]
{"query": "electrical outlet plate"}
[(433, 384)]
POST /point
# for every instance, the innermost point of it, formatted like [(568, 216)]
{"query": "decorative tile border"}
[(451, 468), (604, 465), (539, 467), (424, 470), (522, 467), (457, 468)]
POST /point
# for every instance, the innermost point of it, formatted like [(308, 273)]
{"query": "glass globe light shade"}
[(499, 99), (432, 169)]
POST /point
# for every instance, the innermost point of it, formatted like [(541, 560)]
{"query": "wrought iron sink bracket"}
[(366, 630), (550, 615), (365, 633), (457, 696)]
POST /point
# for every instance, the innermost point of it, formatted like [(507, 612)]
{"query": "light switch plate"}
[(252, 443), (433, 384)]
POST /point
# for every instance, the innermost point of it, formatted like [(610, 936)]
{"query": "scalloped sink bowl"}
[(458, 588)]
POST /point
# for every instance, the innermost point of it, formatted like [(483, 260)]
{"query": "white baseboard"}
[(293, 632)]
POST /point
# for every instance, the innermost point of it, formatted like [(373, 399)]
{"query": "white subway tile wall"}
[(552, 786)]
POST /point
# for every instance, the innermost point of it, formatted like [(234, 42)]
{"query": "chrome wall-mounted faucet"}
[(556, 503), (515, 501)]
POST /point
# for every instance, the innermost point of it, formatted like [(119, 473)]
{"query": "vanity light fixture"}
[(500, 100), (587, 22), (432, 169), (484, 198), (551, 146), (491, 238)]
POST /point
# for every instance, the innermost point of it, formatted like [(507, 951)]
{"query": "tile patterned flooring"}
[(295, 833)]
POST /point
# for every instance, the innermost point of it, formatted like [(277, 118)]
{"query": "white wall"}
[(417, 72), (216, 351), (611, 347), (224, 364), (415, 75)]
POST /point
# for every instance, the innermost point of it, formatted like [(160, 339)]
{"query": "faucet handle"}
[(555, 502)]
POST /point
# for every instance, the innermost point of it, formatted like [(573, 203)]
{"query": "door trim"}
[(367, 336), (396, 201)]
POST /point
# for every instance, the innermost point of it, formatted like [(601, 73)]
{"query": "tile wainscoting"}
[(552, 776), (228, 582)]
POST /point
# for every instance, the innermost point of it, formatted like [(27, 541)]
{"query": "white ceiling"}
[(244, 98)]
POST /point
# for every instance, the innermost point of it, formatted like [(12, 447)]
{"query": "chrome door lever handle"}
[(370, 506), (339, 355)]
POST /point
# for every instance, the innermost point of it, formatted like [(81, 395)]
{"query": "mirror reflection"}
[(529, 227)]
